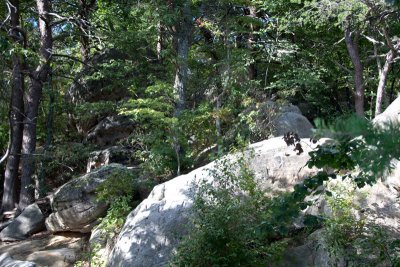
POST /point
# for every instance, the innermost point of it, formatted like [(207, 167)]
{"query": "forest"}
[(164, 87)]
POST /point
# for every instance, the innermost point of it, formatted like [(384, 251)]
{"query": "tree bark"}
[(252, 70), (9, 200), (382, 82), (84, 26), (181, 42), (32, 101), (351, 44), (181, 45)]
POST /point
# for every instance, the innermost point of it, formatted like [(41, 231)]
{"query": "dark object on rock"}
[(111, 130), (29, 222), (292, 139)]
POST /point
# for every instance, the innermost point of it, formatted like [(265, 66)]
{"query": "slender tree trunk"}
[(181, 44), (15, 116), (351, 44), (160, 42), (181, 40), (383, 74), (84, 25), (382, 82), (32, 100), (252, 70)]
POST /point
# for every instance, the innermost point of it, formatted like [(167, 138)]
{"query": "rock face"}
[(153, 230), (47, 250), (29, 222), (114, 154), (292, 122), (270, 119), (74, 204), (110, 130), (390, 115), (7, 261)]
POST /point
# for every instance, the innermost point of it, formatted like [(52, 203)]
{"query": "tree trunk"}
[(15, 116), (32, 100), (84, 26), (160, 42), (382, 82), (252, 70), (181, 45), (351, 44), (181, 40)]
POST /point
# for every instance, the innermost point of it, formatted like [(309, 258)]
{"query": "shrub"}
[(227, 220)]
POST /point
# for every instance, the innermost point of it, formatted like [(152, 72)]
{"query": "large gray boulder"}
[(271, 119), (153, 230), (390, 115), (29, 222), (292, 122), (114, 154), (7, 261), (110, 130), (47, 250), (74, 205)]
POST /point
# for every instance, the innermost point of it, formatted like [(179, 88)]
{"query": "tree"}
[(16, 112), (37, 77)]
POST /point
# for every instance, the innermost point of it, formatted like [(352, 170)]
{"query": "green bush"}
[(353, 240), (228, 216)]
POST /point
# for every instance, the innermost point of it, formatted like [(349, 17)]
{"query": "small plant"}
[(342, 227), (119, 191), (119, 209)]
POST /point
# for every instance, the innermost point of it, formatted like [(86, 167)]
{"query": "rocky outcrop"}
[(60, 257), (292, 122), (111, 130), (74, 205), (7, 261), (271, 119), (114, 154), (390, 115), (47, 250), (153, 230), (29, 222)]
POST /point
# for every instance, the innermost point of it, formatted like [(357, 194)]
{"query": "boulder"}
[(111, 130), (390, 115), (380, 208), (101, 245), (292, 122), (114, 154), (29, 222), (270, 119), (7, 261), (60, 257), (153, 230), (74, 205), (46, 249)]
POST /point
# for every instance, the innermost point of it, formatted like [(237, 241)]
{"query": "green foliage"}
[(342, 227), (230, 216), (117, 213), (349, 238), (359, 146), (119, 192), (120, 182), (60, 163), (94, 111)]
